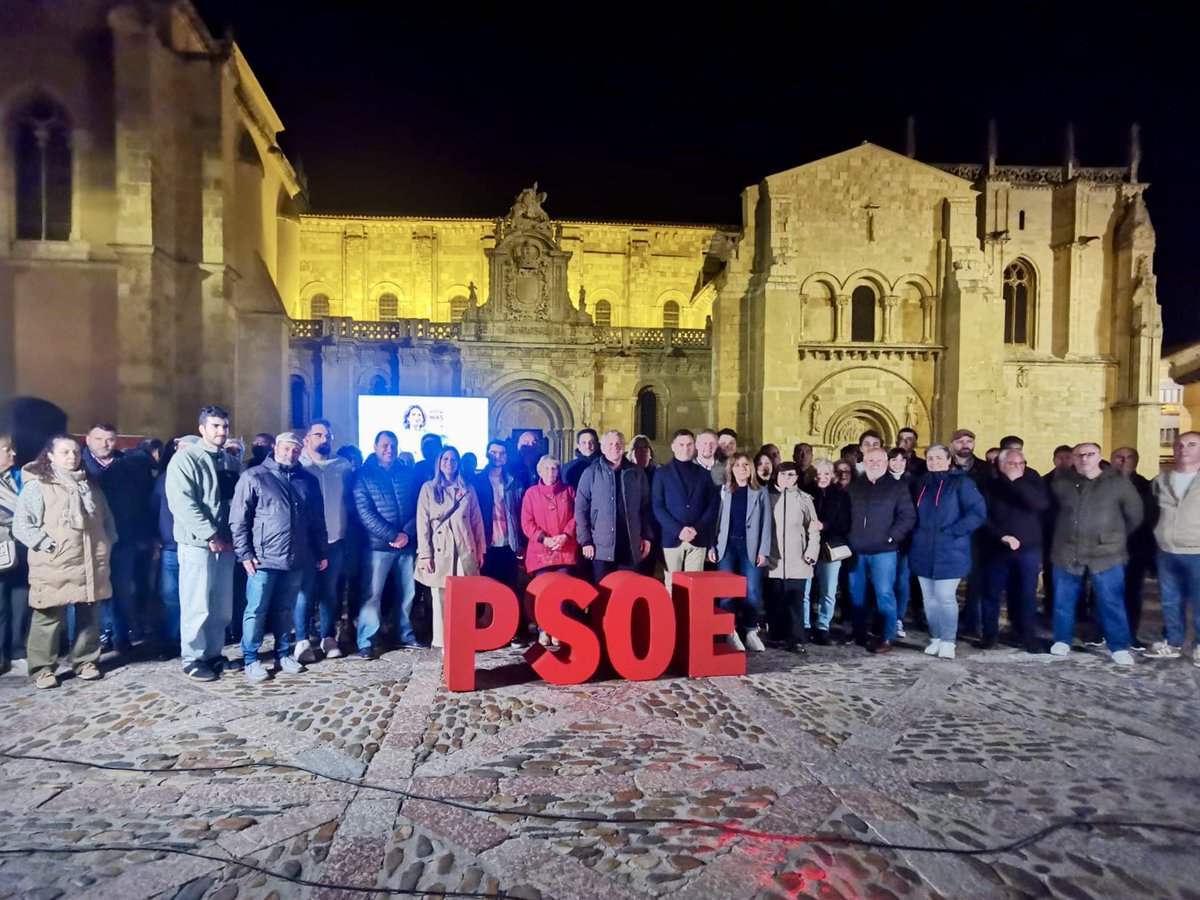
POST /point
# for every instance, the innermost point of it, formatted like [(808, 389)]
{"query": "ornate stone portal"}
[(528, 278)]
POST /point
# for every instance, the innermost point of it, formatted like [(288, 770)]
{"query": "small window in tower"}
[(1021, 220), (603, 314), (670, 314), (389, 308), (862, 314), (320, 306), (43, 173)]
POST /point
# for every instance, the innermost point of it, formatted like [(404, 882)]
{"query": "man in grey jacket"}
[(336, 477), (200, 483), (278, 524), (612, 510), (1178, 537), (1097, 511)]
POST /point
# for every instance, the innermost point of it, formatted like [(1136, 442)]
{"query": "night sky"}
[(666, 111)]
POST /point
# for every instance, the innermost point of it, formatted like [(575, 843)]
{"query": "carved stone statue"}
[(910, 412), (472, 295), (527, 209), (814, 422), (582, 299), (1023, 376)]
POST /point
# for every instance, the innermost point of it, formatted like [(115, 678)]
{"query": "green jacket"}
[(200, 484), (1178, 528), (1095, 518)]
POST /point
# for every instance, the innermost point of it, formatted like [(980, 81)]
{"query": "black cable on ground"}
[(1083, 824)]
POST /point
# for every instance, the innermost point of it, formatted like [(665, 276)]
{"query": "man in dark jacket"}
[(127, 483), (278, 522), (499, 493), (1097, 511), (686, 504), (587, 450), (1142, 548), (385, 499), (881, 517), (1016, 502), (612, 510)]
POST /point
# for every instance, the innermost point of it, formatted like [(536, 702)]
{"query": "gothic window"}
[(389, 308), (670, 317), (603, 314), (862, 314), (458, 306), (320, 306), (42, 154), (647, 413), (299, 402), (1019, 298)]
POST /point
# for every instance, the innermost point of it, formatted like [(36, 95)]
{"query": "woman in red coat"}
[(548, 521)]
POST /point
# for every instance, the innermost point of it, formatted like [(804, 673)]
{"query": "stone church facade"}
[(156, 253)]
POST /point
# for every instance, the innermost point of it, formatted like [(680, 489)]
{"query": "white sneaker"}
[(303, 652), (932, 649), (900, 632), (735, 642), (19, 666), (1163, 650), (330, 648), (1122, 658), (1060, 649), (946, 650), (753, 642)]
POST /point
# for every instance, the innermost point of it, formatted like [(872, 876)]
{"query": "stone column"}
[(889, 305), (841, 327), (928, 310), (800, 318)]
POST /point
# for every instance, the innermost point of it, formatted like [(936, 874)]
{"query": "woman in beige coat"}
[(450, 537), (62, 518), (796, 541)]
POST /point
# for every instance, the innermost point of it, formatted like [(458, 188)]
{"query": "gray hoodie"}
[(336, 476), (200, 484)]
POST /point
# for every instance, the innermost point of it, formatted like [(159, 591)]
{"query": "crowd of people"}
[(182, 547)]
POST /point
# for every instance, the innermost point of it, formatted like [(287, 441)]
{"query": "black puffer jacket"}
[(833, 512), (386, 503), (881, 514), (1016, 508), (278, 517)]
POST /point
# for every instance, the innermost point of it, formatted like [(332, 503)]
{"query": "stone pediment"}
[(528, 296), (868, 158)]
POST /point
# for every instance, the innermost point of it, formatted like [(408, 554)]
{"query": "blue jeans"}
[(380, 564), (116, 615), (320, 589), (270, 595), (168, 585), (738, 561), (881, 569), (1016, 572), (1179, 583), (1109, 589), (941, 606), (903, 586), (826, 578)]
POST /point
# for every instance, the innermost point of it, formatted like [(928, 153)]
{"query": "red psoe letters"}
[(462, 637), (579, 658), (626, 627), (699, 622)]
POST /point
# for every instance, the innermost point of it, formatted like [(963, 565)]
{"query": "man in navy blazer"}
[(686, 504)]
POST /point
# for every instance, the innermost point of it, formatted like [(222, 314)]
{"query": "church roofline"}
[(1038, 175), (701, 226), (859, 149)]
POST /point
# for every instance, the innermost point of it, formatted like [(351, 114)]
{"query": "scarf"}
[(80, 501), (9, 488)]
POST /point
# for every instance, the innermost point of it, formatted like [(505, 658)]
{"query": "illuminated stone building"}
[(144, 205), (166, 253)]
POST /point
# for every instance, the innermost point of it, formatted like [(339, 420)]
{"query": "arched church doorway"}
[(529, 405), (847, 425)]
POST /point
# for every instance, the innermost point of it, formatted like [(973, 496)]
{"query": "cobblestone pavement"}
[(904, 749)]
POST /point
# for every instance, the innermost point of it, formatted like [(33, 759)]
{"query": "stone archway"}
[(534, 406), (847, 424)]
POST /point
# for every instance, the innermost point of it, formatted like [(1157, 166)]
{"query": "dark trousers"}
[(1014, 572), (14, 611), (1135, 578), (785, 609), (969, 619), (602, 567), (500, 563)]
